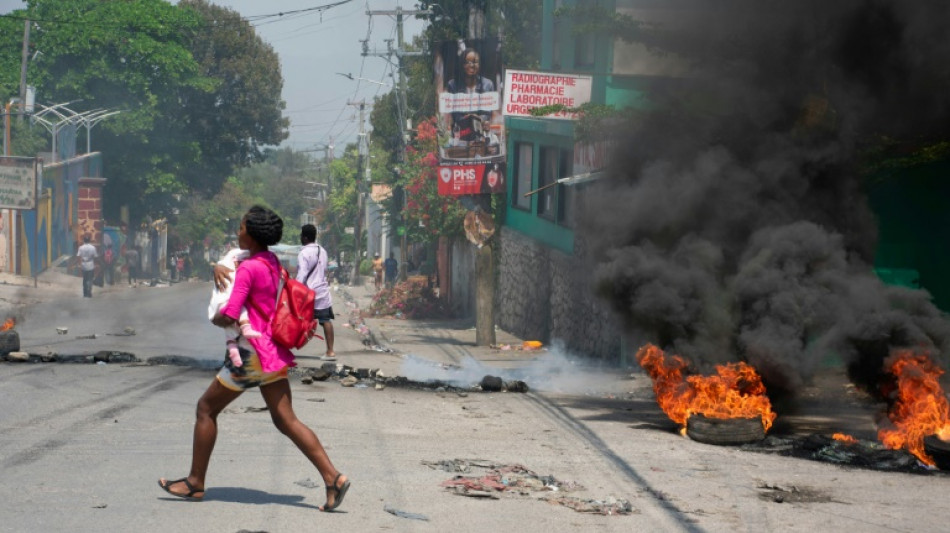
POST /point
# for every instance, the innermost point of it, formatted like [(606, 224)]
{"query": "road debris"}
[(516, 480), (610, 506), (404, 514)]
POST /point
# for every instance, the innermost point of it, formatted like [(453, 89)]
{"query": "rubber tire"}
[(9, 341), (724, 431), (939, 450)]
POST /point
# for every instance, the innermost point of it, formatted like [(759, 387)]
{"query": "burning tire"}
[(939, 450), (724, 431), (9, 342)]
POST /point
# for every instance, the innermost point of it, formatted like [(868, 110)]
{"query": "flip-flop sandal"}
[(191, 489), (340, 493)]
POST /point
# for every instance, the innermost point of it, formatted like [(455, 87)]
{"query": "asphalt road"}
[(82, 445)]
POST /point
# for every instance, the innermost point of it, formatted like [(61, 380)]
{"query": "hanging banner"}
[(526, 90), (455, 180), (17, 182), (468, 77)]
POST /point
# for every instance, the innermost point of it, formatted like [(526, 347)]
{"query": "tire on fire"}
[(724, 431), (939, 450), (9, 342)]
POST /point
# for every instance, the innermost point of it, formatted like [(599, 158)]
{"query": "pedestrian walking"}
[(132, 263), (312, 264), (392, 268), (88, 256), (265, 365), (377, 271)]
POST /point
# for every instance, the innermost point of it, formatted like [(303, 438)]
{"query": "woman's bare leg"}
[(210, 405), (278, 400)]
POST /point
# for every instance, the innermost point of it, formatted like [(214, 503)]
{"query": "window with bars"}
[(522, 179)]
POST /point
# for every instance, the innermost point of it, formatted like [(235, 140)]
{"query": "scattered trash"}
[(19, 357), (308, 483), (241, 410), (610, 506), (349, 381), (62, 331), (318, 400), (526, 346), (404, 514), (413, 298), (508, 478)]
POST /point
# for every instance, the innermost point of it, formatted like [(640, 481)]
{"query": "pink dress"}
[(255, 288)]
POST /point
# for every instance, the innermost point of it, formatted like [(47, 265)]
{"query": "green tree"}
[(230, 124), (198, 90), (129, 56)]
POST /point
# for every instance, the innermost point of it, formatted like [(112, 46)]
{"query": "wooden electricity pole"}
[(484, 259)]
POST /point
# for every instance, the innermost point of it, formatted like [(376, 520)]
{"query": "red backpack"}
[(292, 324)]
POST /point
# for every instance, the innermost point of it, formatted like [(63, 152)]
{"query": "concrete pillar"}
[(89, 211)]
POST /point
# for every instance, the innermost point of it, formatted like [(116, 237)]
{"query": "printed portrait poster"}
[(469, 82)]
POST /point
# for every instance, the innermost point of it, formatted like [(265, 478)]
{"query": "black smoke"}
[(734, 224)]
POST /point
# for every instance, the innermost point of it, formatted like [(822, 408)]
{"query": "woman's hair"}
[(263, 225)]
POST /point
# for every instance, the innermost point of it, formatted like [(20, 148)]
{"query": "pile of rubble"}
[(493, 481), (412, 298), (373, 377)]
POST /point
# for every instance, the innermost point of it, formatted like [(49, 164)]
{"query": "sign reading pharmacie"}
[(17, 182), (525, 90), (478, 178)]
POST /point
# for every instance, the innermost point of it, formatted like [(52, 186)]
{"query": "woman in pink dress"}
[(265, 365)]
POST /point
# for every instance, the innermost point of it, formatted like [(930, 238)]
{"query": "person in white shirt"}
[(312, 271), (87, 255)]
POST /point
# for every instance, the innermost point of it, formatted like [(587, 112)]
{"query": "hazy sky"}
[(313, 47)]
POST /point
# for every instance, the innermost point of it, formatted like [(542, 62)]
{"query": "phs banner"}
[(456, 180), (468, 77)]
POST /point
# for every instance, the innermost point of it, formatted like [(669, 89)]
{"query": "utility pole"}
[(402, 110), (23, 62), (484, 259), (362, 165)]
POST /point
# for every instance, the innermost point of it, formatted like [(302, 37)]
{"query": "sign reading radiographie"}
[(17, 182), (468, 77), (525, 91)]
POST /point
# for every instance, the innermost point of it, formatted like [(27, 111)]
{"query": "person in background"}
[(265, 365), (392, 269), (88, 256), (132, 262), (378, 271), (312, 271)]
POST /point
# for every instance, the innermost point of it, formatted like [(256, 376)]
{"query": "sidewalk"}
[(417, 349)]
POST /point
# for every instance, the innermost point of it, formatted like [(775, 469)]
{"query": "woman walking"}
[(265, 365)]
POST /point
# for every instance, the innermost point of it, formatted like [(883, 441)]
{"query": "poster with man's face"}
[(468, 77)]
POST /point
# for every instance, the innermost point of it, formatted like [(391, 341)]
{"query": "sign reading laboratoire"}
[(17, 182), (456, 180), (526, 90)]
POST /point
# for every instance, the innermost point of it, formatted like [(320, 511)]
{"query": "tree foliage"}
[(198, 91), (231, 123)]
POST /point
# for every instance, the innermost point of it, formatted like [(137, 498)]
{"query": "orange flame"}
[(8, 324), (921, 408), (847, 439), (736, 391)]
